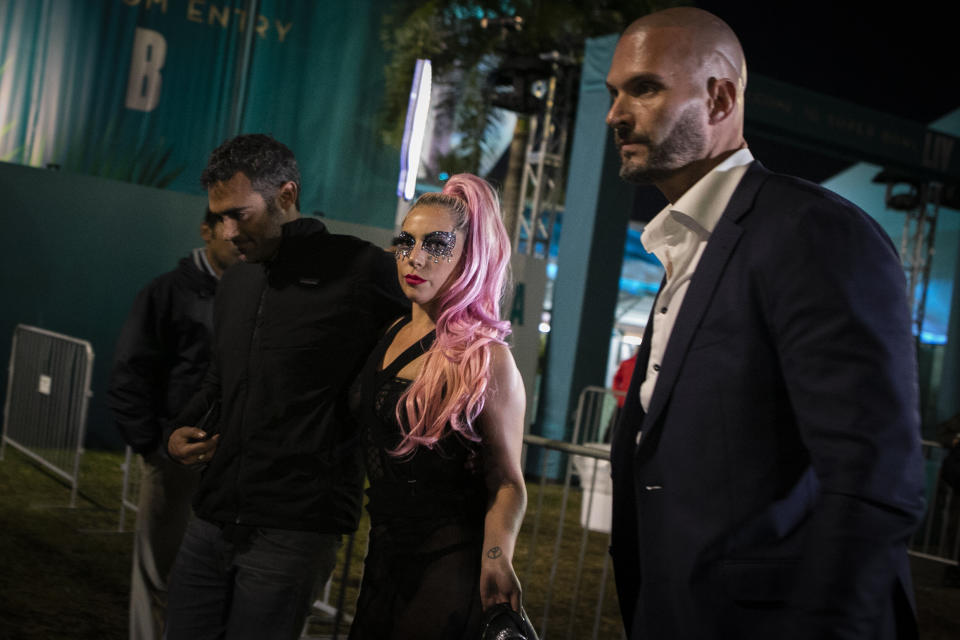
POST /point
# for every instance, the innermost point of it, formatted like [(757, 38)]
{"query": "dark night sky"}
[(901, 61)]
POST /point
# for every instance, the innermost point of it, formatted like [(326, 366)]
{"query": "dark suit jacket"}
[(778, 475)]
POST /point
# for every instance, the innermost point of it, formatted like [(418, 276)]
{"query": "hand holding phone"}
[(196, 444)]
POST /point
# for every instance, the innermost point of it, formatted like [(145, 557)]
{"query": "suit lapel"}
[(632, 413), (704, 282)]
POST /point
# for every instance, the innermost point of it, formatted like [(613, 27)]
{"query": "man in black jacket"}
[(161, 356), (293, 324)]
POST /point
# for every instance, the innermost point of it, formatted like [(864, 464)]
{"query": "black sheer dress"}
[(421, 575)]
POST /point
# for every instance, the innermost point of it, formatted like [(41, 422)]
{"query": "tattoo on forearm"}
[(494, 552)]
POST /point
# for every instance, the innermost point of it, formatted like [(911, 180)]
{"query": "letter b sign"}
[(143, 85)]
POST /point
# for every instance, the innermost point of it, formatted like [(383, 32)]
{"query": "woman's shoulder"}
[(393, 326), (500, 355), (503, 368)]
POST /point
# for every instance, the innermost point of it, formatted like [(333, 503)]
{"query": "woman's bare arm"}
[(501, 427)]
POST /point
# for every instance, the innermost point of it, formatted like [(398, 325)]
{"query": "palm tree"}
[(470, 42)]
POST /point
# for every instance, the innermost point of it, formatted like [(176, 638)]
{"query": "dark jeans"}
[(255, 583)]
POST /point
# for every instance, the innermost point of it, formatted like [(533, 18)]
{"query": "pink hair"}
[(448, 394)]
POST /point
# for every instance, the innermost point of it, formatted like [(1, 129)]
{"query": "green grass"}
[(64, 573)]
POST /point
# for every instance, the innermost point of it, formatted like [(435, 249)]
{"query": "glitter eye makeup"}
[(438, 244), (404, 244)]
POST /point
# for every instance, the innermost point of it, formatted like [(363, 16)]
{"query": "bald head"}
[(677, 83), (706, 42)]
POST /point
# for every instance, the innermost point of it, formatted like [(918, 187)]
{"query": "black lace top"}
[(422, 570), (443, 481)]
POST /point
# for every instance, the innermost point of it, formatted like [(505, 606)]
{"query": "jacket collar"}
[(295, 235), (301, 239), (301, 227), (715, 257), (188, 271)]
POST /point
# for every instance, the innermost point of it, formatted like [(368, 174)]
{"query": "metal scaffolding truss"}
[(920, 204), (541, 188)]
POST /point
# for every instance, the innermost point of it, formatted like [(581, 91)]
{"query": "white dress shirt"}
[(677, 236)]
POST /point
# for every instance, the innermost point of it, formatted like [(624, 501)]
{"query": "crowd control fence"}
[(563, 561), (597, 411), (48, 390), (562, 556), (130, 487)]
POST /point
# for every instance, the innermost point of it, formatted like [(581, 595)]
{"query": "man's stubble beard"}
[(266, 248), (685, 144)]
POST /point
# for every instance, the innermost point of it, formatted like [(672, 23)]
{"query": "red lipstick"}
[(413, 279)]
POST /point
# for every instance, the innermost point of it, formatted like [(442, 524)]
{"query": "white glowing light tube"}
[(418, 108)]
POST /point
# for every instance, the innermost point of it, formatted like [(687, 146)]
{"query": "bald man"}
[(766, 468)]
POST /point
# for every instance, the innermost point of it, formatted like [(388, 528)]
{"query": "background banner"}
[(143, 90)]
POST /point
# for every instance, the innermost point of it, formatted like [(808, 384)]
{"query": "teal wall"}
[(76, 249)]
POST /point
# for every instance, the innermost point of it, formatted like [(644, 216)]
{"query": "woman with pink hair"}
[(441, 405)]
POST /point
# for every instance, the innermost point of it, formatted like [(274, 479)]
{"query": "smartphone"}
[(208, 423)]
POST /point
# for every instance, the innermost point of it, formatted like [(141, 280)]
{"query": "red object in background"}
[(621, 379)]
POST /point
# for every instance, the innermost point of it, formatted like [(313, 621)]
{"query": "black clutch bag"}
[(500, 622)]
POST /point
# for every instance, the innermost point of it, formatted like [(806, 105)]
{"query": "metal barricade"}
[(563, 561), (938, 537), (130, 487), (597, 411), (48, 390), (564, 566), (567, 599)]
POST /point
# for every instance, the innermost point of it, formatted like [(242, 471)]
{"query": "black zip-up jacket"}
[(290, 335), (162, 354)]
